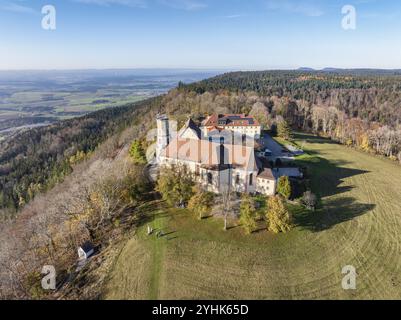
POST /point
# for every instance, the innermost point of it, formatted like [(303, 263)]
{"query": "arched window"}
[(244, 139), (251, 179), (209, 178)]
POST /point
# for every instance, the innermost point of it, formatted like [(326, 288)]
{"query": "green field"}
[(359, 225)]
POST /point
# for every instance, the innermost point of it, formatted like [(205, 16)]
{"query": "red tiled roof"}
[(237, 120), (205, 152)]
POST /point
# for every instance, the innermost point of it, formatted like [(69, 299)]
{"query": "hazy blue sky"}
[(237, 34)]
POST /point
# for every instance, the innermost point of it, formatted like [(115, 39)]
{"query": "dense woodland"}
[(81, 180), (357, 108), (36, 160), (367, 95)]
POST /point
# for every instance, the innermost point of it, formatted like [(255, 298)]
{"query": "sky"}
[(207, 34)]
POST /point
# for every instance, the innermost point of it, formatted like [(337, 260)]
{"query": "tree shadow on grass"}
[(326, 177), (335, 211), (233, 226), (259, 230), (309, 138), (145, 214)]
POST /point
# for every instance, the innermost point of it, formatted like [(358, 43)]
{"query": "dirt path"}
[(158, 248)]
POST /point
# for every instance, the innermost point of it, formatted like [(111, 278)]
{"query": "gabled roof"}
[(267, 174), (190, 125), (87, 247), (214, 128), (208, 153)]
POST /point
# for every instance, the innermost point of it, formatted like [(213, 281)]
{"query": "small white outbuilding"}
[(86, 250)]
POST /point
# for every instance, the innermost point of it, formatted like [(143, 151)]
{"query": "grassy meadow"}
[(359, 224)]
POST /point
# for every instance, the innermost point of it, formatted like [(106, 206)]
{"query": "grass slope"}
[(359, 225)]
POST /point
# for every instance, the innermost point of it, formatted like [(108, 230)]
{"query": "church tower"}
[(164, 134)]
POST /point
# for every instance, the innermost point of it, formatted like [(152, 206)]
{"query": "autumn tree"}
[(284, 187), (365, 142), (278, 217), (284, 131), (201, 202), (260, 113), (175, 185), (248, 214)]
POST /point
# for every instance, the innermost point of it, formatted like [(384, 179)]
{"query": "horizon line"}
[(244, 69)]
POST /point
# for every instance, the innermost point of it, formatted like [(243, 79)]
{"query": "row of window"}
[(222, 140), (209, 178)]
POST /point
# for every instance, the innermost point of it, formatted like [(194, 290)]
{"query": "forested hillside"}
[(370, 95), (359, 108), (36, 160)]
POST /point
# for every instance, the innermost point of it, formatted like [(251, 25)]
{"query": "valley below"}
[(40, 98)]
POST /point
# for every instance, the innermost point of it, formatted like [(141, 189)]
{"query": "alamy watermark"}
[(49, 280), (349, 20), (49, 19), (349, 280)]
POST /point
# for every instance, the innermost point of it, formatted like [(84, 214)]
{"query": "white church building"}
[(220, 152)]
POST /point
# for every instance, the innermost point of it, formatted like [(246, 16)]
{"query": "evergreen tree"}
[(284, 187), (248, 214), (137, 152), (277, 216)]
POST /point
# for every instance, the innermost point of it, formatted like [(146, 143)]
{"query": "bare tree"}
[(227, 198), (309, 200)]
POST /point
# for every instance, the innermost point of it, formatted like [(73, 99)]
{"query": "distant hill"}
[(362, 71), (305, 69)]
